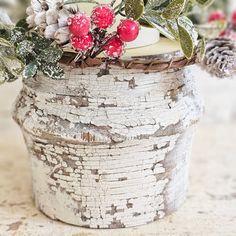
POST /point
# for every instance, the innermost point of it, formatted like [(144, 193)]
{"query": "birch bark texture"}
[(109, 150)]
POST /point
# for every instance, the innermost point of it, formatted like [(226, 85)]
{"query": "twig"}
[(101, 48), (113, 3)]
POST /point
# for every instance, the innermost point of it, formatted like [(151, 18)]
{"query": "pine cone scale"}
[(220, 57)]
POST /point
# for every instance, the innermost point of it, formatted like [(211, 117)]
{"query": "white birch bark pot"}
[(109, 151)]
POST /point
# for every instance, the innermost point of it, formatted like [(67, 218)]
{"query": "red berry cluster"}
[(219, 15), (85, 30)]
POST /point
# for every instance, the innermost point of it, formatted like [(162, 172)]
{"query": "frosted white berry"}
[(52, 17), (40, 18), (50, 31), (62, 35)]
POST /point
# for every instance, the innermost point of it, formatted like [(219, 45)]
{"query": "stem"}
[(119, 6), (78, 56), (101, 48), (113, 3)]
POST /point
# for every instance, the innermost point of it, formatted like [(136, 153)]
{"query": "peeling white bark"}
[(109, 151)]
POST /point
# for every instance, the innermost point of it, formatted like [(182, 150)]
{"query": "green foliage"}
[(174, 9), (134, 8), (30, 70), (23, 53), (169, 17), (53, 71)]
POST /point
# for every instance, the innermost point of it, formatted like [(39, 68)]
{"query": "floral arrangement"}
[(56, 28)]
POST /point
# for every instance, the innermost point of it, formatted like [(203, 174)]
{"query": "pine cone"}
[(49, 17), (220, 57)]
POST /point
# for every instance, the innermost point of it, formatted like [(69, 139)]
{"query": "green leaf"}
[(5, 43), (173, 28), (145, 23), (134, 8), (23, 24), (10, 78), (50, 55), (174, 9), (186, 23), (53, 71), (157, 4), (30, 70), (155, 16), (205, 3), (186, 41), (40, 42), (161, 28), (13, 65), (25, 48), (201, 49), (17, 35)]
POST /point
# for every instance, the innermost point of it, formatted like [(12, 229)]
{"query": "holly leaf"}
[(25, 48), (53, 71), (51, 55), (17, 35), (23, 24), (134, 8), (30, 70), (174, 9), (40, 42)]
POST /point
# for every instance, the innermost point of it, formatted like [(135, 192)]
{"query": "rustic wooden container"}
[(111, 148)]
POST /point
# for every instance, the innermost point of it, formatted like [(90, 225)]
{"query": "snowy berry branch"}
[(56, 27)]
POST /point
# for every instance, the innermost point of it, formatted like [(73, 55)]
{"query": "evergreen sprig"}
[(167, 16), (23, 53)]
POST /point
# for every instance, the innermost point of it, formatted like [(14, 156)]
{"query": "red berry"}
[(82, 43), (79, 25), (216, 15), (128, 30), (233, 18), (114, 48), (224, 33), (103, 16), (229, 34)]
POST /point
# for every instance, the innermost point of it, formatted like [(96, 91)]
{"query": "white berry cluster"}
[(49, 17)]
